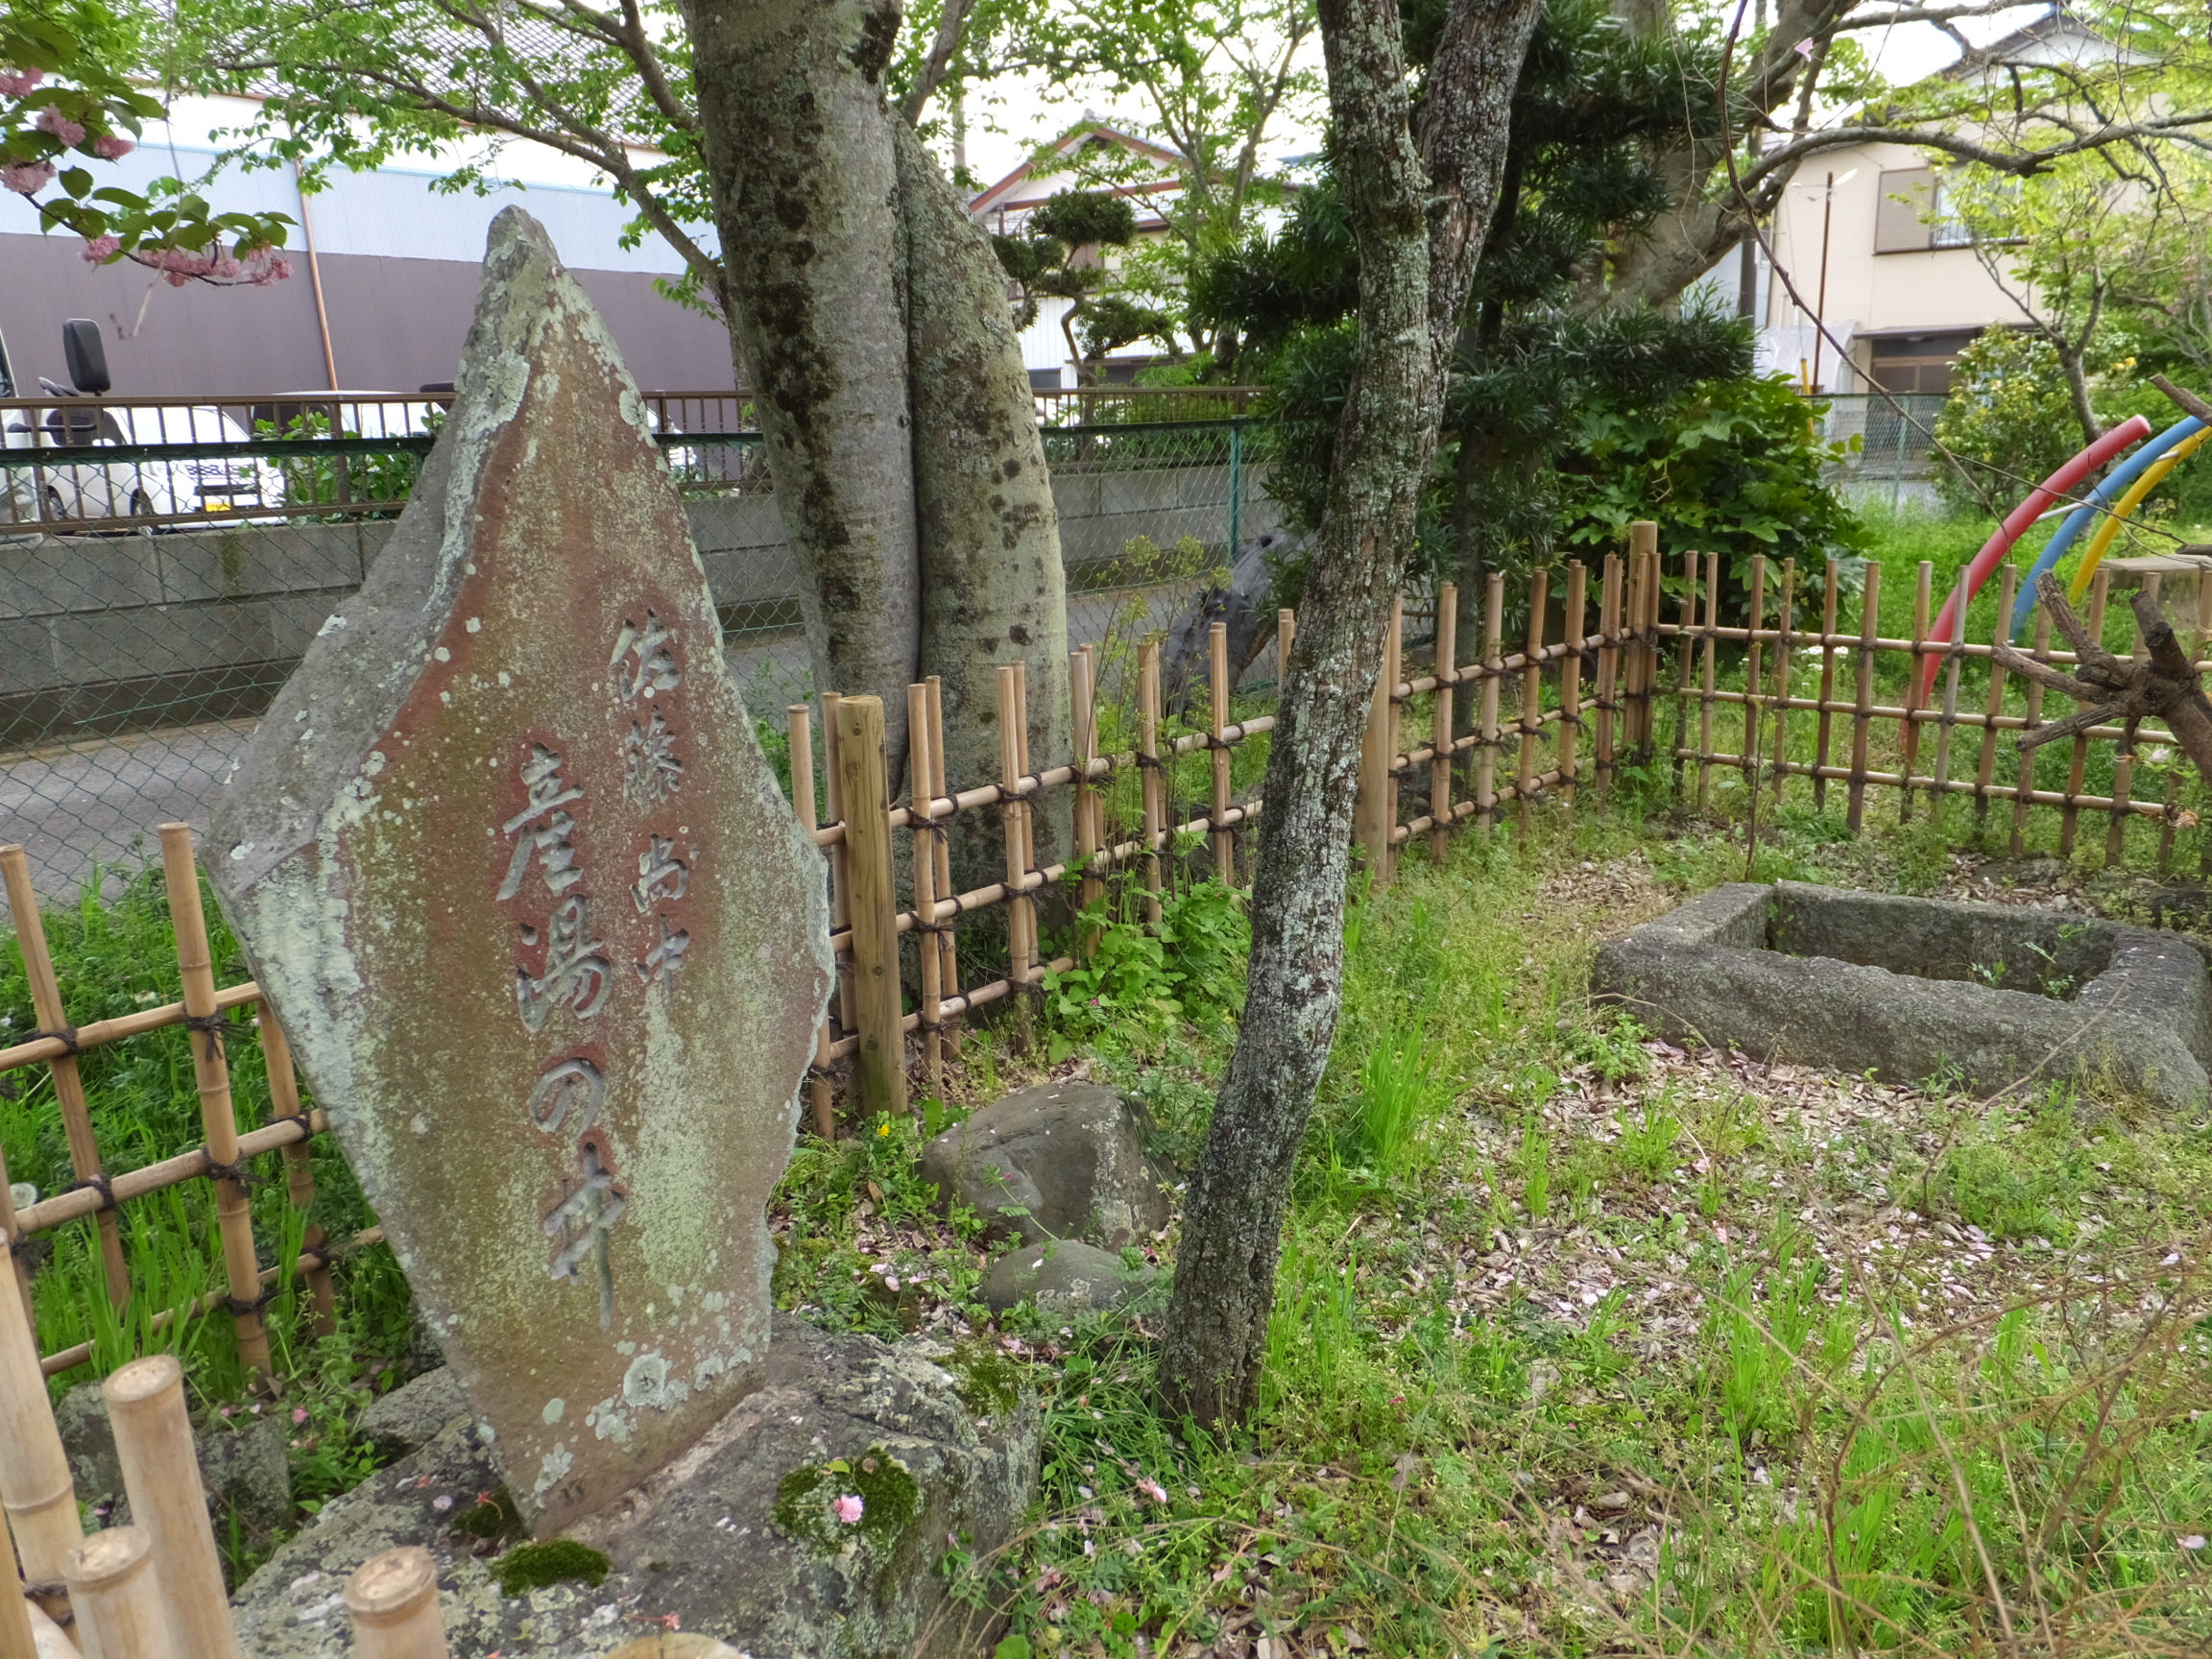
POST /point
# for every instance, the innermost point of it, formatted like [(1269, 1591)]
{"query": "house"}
[(1863, 236), (1093, 155), (385, 275)]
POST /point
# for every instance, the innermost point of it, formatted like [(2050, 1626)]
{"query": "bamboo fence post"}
[(1094, 660), (879, 1067), (1908, 739), (1085, 744), (117, 1595), (11, 1234), (1607, 693), (840, 907), (2169, 797), (1862, 711), (35, 1488), (1570, 679), (949, 941), (1532, 699), (1954, 656), (923, 824), (1493, 671), (393, 1600), (1831, 594), (2070, 814), (1986, 769), (802, 730), (17, 1640), (299, 1164), (2024, 789), (1753, 683), (1286, 634), (68, 1084), (1028, 807), (53, 1642), (1627, 657), (1371, 805), (204, 1025), (1440, 720), (1021, 908), (1685, 665), (1643, 620), (145, 1404), (1784, 630), (1149, 776), (2123, 765), (1706, 678), (1224, 839)]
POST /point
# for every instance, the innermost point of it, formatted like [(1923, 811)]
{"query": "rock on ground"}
[(413, 1414), (1067, 1277), (1057, 1161), (740, 1539), (242, 1463)]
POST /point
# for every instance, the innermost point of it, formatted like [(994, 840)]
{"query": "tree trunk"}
[(1386, 437), (898, 421), (799, 153), (994, 588)]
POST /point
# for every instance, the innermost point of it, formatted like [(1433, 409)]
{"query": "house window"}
[(1905, 363), (1911, 215)]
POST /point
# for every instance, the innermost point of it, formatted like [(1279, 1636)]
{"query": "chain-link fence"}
[(1892, 448), (164, 564)]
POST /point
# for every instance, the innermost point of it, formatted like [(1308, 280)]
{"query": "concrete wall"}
[(101, 635)]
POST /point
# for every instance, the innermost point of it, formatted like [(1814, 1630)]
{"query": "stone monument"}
[(546, 938)]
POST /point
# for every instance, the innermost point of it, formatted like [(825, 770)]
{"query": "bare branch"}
[(952, 24), (2073, 726), (2042, 673), (2022, 164), (2187, 402)]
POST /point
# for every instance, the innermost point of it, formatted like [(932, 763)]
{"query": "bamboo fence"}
[(1598, 678)]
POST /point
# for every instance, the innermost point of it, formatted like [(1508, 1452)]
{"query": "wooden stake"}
[(146, 1409), (299, 1166), (1371, 806), (35, 1485), (68, 1085), (1785, 634), (1986, 769), (1082, 693), (2024, 787), (1224, 839), (1493, 672), (1531, 700), (924, 865), (1148, 779), (802, 731), (1021, 908), (1909, 740), (117, 1596), (1643, 617), (1608, 693), (949, 943), (879, 1067), (1440, 720), (2069, 814), (840, 910), (218, 1118), (1950, 713), (1830, 595), (1570, 679), (1862, 711), (392, 1598), (1708, 664), (1754, 686)]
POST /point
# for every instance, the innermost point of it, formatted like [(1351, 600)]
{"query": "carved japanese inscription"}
[(548, 942)]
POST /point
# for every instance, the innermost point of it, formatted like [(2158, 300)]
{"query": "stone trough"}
[(1911, 989)]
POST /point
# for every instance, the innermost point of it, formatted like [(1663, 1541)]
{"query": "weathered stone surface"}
[(1069, 1157), (244, 1469), (1067, 1277), (736, 1540), (1853, 981), (94, 1468), (413, 1414), (548, 943)]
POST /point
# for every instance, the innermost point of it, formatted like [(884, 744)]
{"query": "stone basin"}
[(2002, 997)]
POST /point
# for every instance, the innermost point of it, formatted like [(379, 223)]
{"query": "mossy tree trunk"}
[(1419, 207), (870, 321)]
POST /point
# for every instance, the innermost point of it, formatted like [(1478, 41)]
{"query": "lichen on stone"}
[(534, 1566), (806, 1501)]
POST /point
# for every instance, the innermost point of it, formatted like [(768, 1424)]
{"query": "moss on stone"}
[(890, 1501), (987, 1381), (495, 1517), (534, 1566)]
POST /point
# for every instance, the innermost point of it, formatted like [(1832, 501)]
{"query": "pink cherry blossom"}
[(847, 1509), (27, 177), (52, 120), (16, 82), (97, 249), (298, 1413), (1153, 1490), (113, 147)]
